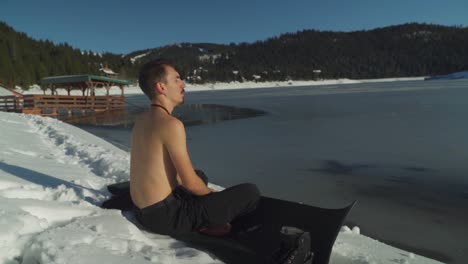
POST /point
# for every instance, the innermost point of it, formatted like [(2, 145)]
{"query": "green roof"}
[(74, 79)]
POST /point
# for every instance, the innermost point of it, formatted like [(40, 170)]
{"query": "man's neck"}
[(163, 106)]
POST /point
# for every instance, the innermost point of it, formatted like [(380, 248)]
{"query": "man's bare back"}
[(159, 156), (153, 176)]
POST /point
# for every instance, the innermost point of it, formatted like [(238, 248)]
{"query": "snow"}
[(5, 92), (35, 89), (107, 71), (137, 57), (52, 180), (210, 58)]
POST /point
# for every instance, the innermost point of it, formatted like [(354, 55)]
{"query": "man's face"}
[(174, 85)]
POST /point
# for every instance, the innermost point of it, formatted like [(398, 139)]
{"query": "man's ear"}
[(159, 88)]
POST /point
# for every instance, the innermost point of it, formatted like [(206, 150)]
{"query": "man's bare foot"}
[(216, 230)]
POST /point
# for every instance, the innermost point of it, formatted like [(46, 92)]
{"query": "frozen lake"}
[(399, 148)]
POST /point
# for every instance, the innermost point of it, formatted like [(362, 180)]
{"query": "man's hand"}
[(217, 230)]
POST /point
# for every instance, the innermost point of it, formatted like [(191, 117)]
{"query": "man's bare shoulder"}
[(157, 119), (172, 127), (174, 123), (166, 125)]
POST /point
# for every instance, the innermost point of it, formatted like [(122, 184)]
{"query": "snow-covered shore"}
[(35, 89), (52, 179)]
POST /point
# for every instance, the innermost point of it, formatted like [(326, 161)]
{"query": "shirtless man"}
[(170, 197)]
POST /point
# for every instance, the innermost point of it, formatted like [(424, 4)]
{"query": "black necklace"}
[(160, 106)]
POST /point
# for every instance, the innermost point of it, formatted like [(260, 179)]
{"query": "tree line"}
[(25, 61), (411, 49)]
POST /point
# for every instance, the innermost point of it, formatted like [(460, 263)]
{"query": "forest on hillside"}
[(396, 51)]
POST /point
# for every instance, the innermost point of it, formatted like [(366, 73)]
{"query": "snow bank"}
[(52, 179)]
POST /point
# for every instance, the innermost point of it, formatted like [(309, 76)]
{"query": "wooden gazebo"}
[(86, 83)]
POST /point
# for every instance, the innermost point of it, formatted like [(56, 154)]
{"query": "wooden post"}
[(122, 90)]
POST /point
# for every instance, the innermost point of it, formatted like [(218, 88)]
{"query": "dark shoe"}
[(297, 245)]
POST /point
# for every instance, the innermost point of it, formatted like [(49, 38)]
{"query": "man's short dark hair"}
[(151, 73)]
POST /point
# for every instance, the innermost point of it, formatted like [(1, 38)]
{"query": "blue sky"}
[(123, 26)]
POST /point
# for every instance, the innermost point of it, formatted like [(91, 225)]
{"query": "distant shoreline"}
[(234, 85)]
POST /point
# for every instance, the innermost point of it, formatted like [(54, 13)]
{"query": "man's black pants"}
[(182, 212)]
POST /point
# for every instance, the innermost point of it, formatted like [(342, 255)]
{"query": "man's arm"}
[(176, 144)]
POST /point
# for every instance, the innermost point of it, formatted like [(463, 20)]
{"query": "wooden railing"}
[(11, 103), (52, 104)]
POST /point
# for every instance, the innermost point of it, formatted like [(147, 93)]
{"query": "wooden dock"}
[(67, 106), (63, 105)]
